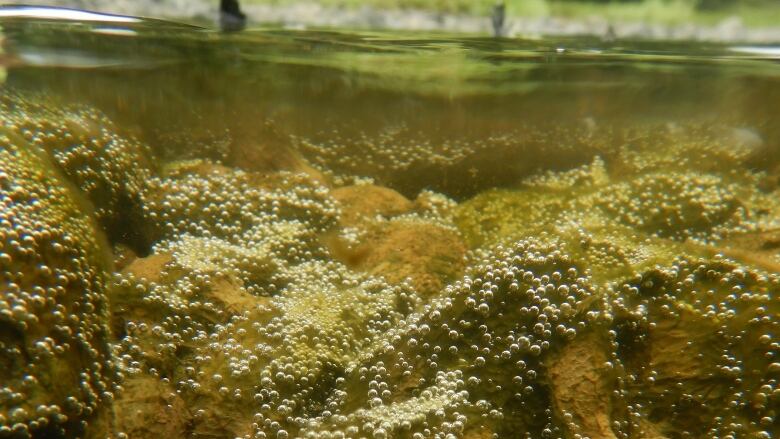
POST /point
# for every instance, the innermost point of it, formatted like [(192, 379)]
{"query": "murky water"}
[(280, 234)]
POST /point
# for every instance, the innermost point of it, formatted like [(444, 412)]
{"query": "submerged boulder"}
[(698, 339), (430, 255), (109, 169), (365, 202), (147, 408), (58, 371)]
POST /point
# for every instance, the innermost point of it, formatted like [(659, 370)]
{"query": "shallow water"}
[(284, 234)]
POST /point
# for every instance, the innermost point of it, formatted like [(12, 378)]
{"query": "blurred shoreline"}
[(301, 15)]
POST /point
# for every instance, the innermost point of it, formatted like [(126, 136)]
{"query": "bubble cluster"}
[(472, 355), (596, 299), (622, 222), (410, 160), (210, 200), (691, 346), (699, 342), (336, 354), (679, 206), (109, 169), (57, 367)]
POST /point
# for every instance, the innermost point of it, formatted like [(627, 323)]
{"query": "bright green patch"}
[(752, 13)]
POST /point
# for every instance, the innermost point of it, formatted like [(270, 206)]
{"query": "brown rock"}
[(364, 202), (227, 294), (123, 256), (148, 408), (430, 255), (480, 432), (149, 268), (269, 151), (675, 348), (581, 384)]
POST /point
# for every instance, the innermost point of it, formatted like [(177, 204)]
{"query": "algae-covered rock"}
[(623, 223), (551, 331), (473, 355), (205, 281), (582, 379), (57, 370), (279, 308), (241, 309), (678, 206), (428, 254), (293, 345), (564, 205), (692, 302), (204, 199), (107, 168), (147, 408), (698, 340), (367, 201), (383, 233)]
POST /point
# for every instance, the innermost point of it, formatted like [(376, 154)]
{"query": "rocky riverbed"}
[(630, 296)]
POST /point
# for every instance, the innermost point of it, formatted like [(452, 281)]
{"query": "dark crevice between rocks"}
[(127, 228)]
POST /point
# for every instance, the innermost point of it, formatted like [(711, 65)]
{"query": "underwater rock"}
[(293, 344), (109, 169), (698, 340), (158, 291), (584, 311), (678, 206), (268, 151), (149, 268), (428, 254), (364, 202), (381, 236), (57, 369), (147, 408), (561, 205), (577, 310), (582, 379), (500, 215), (204, 199), (622, 224), (248, 299), (444, 370)]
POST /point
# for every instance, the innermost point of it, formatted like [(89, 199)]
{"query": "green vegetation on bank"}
[(756, 13)]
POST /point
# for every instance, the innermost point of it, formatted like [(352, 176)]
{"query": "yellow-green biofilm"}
[(634, 296)]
